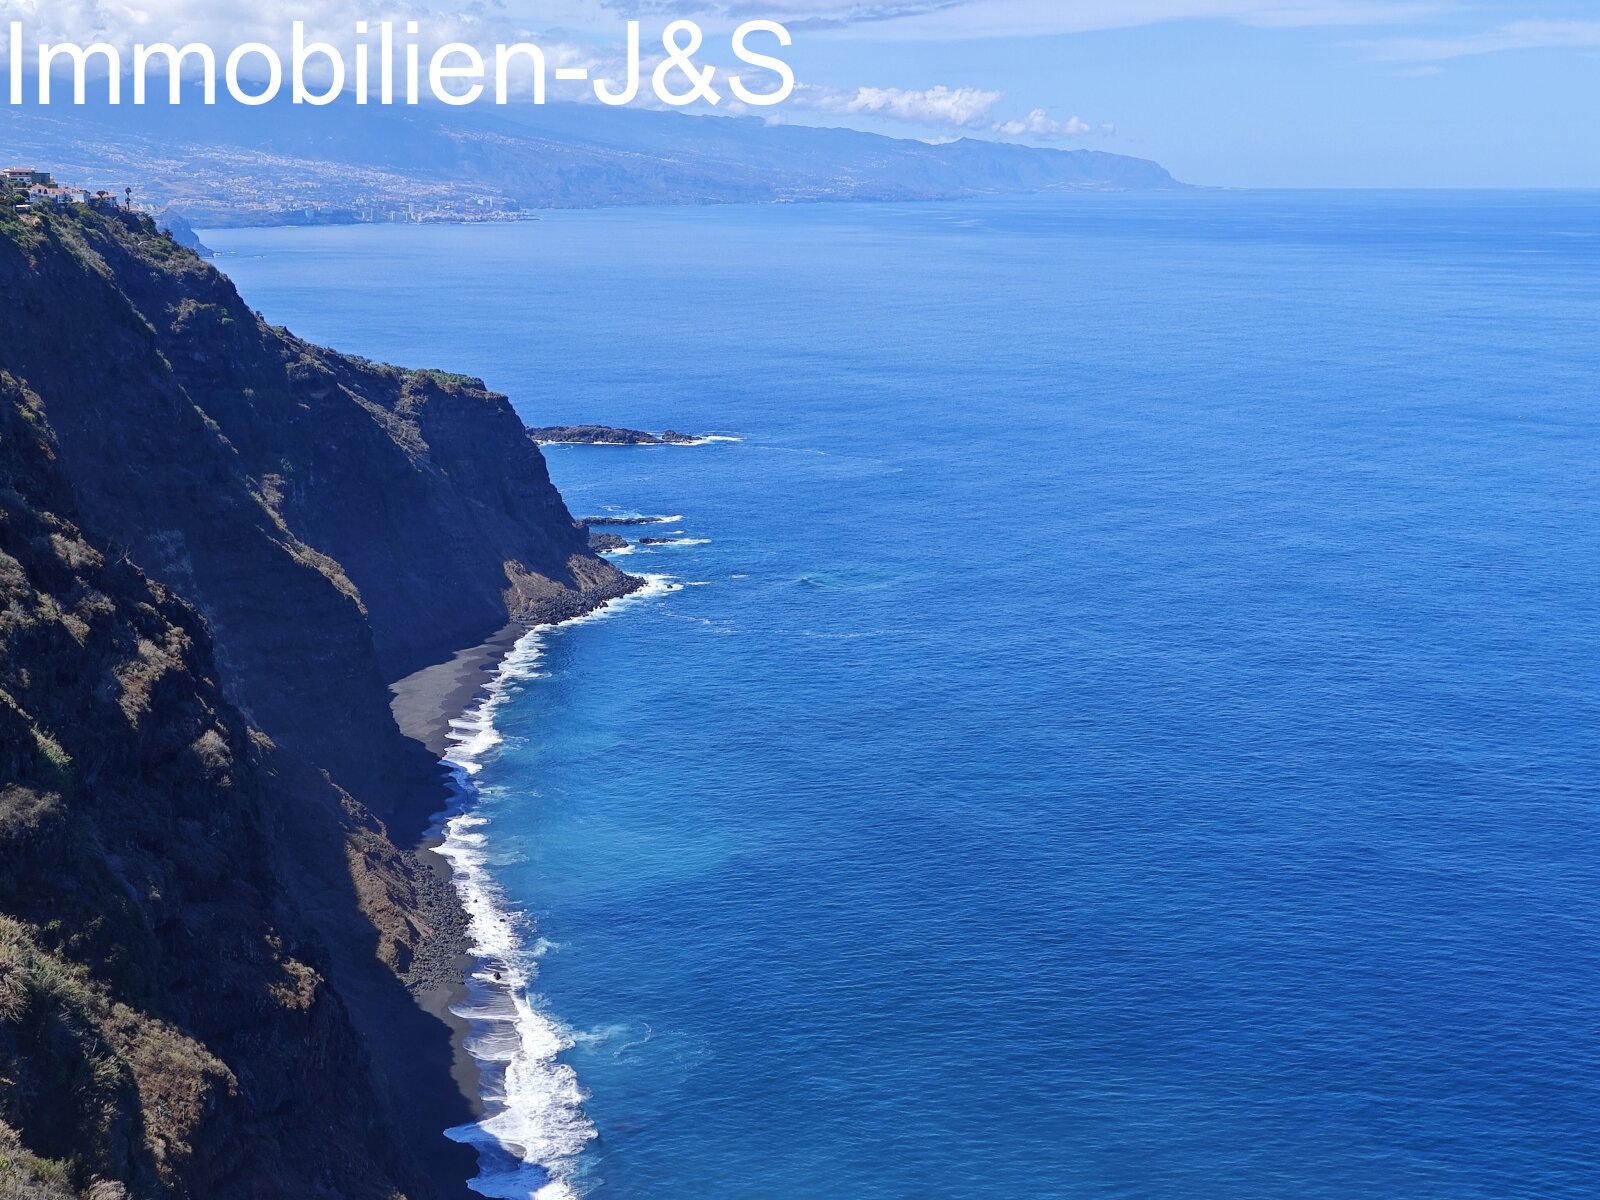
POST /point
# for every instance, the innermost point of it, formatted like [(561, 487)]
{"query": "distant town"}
[(27, 188), (342, 165)]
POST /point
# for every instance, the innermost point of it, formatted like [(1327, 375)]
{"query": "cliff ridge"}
[(219, 546)]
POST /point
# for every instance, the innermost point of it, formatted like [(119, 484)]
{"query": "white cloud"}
[(1011, 18), (1516, 35), (227, 23), (1039, 123), (960, 107), (224, 24), (233, 21)]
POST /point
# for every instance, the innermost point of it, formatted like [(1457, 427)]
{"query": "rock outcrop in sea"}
[(609, 435), (219, 546)]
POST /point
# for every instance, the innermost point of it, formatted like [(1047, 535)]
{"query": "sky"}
[(1244, 93)]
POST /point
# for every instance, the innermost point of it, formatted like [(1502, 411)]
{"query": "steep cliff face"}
[(164, 1022), (415, 482), (218, 545), (338, 522)]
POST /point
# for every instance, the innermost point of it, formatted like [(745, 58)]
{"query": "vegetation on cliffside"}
[(218, 545)]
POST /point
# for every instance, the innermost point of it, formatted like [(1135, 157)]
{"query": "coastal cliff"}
[(219, 546)]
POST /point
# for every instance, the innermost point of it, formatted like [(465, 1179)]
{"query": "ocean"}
[(1121, 721)]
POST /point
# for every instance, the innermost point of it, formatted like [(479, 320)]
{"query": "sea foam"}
[(534, 1127)]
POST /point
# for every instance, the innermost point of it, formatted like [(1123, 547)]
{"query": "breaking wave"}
[(623, 519), (534, 1127)]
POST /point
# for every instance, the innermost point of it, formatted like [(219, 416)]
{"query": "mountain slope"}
[(231, 165), (332, 518), (164, 1023), (218, 547)]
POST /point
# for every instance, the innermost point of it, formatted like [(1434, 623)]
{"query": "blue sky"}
[(1439, 95), (1294, 93)]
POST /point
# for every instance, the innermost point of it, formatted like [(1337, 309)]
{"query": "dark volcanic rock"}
[(607, 435), (166, 1014), (607, 541), (334, 519), (624, 522), (219, 545)]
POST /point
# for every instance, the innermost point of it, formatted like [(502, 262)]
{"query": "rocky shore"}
[(623, 522), (609, 435)]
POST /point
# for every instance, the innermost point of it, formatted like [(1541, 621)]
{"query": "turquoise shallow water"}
[(1134, 731)]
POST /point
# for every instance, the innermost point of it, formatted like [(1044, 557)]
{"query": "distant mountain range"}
[(231, 165)]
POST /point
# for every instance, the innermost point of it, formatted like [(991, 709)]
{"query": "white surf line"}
[(534, 1127)]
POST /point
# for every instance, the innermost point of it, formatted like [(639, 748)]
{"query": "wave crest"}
[(534, 1126)]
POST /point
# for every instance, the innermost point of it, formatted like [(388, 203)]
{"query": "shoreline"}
[(424, 703), (433, 706)]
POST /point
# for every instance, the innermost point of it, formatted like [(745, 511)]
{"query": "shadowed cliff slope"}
[(338, 522), (218, 546), (163, 1019)]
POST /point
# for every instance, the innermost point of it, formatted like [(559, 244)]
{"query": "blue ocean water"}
[(1129, 730)]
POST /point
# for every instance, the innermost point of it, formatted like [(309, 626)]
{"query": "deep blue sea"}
[(1128, 725)]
